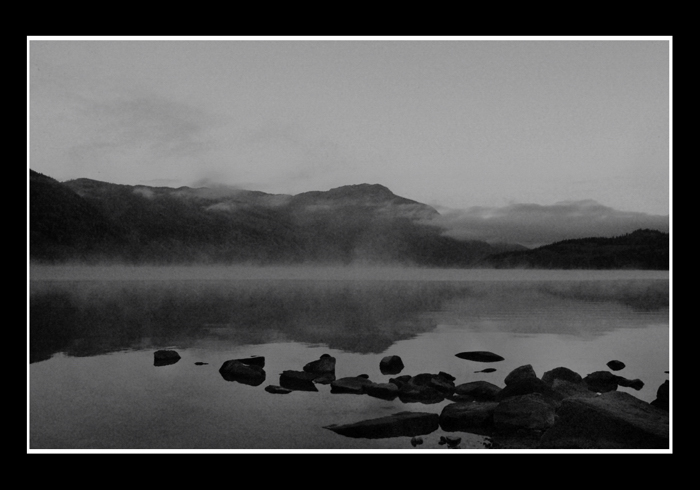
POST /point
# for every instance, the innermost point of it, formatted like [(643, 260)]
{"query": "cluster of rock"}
[(560, 410)]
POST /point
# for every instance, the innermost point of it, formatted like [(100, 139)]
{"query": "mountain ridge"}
[(92, 221)]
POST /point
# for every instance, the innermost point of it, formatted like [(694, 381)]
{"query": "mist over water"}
[(93, 331)]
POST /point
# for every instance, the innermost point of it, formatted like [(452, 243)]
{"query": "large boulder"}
[(562, 373), (402, 424), (612, 420), (526, 386), (475, 417), (391, 365), (165, 357), (234, 370), (520, 373), (477, 391), (567, 388), (530, 412), (662, 397), (601, 381)]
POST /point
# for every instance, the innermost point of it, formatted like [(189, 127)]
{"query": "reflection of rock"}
[(480, 356), (662, 397), (472, 417), (616, 365), (403, 424), (391, 365), (613, 420), (165, 357), (235, 370), (298, 380), (278, 390)]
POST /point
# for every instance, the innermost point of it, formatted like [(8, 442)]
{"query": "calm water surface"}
[(93, 331)]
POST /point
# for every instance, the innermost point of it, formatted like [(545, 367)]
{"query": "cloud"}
[(534, 225)]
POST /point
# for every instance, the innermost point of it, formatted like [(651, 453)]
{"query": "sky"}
[(572, 134)]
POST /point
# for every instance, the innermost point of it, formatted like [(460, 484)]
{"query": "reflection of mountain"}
[(83, 319), (88, 318)]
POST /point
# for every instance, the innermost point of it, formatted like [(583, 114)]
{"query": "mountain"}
[(89, 220), (641, 249)]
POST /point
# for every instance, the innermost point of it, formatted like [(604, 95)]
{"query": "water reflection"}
[(87, 318)]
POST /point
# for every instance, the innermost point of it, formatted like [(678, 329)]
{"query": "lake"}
[(93, 332)]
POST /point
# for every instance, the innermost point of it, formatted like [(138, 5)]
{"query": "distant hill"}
[(89, 220), (641, 249)]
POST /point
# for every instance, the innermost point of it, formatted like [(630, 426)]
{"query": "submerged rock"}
[(234, 370), (253, 361), (402, 424), (391, 365), (385, 391), (352, 384), (480, 356), (613, 420), (487, 370), (278, 390), (165, 357)]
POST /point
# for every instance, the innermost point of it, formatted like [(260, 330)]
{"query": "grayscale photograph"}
[(349, 244)]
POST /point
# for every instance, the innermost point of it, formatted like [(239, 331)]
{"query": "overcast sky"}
[(472, 127)]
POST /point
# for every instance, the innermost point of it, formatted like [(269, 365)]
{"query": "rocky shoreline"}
[(559, 410)]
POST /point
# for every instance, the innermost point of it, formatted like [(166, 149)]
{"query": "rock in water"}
[(402, 424), (165, 357), (616, 365), (234, 370), (480, 356), (391, 365), (487, 370), (298, 380), (520, 373), (613, 420)]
